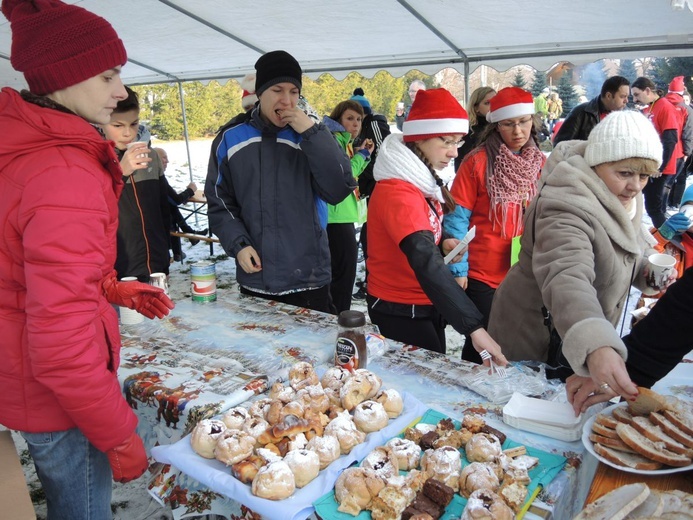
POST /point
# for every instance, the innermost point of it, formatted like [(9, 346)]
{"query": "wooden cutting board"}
[(608, 478)]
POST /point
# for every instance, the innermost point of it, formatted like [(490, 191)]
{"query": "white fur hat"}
[(248, 98), (623, 134)]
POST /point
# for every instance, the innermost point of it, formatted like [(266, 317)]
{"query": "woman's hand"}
[(482, 340), (449, 244), (608, 378), (462, 281), (249, 260), (136, 157), (367, 144)]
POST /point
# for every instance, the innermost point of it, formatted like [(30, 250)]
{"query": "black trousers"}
[(426, 331), (315, 299), (481, 295), (656, 194), (679, 186), (343, 253)]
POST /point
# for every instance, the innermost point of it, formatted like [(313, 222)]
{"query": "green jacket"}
[(541, 105), (351, 209)]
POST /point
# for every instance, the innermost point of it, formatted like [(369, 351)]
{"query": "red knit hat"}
[(435, 113), (510, 102), (676, 86), (248, 97), (57, 45)]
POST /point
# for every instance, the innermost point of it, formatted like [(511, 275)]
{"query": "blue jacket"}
[(261, 188)]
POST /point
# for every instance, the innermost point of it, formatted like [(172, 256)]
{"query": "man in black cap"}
[(268, 183)]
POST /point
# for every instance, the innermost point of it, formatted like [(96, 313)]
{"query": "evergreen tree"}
[(627, 70), (539, 83), (519, 80), (665, 69), (566, 92)]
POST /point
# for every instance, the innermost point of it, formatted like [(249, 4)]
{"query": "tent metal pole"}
[(181, 95), (466, 82)]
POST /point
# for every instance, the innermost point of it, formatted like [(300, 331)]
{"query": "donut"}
[(274, 481), (407, 452), (334, 378), (302, 375), (204, 437), (391, 401), (234, 446), (304, 464), (370, 416), (443, 464), (327, 448), (235, 417), (482, 447), (477, 476), (345, 430)]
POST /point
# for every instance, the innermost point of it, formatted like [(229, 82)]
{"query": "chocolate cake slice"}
[(440, 493)]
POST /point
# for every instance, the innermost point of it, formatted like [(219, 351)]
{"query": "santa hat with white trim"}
[(510, 102), (676, 86), (248, 97), (435, 113)]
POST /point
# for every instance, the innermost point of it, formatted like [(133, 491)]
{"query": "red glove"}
[(128, 460), (146, 299)]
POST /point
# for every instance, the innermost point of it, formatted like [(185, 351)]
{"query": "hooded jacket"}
[(580, 250), (263, 188), (60, 347)]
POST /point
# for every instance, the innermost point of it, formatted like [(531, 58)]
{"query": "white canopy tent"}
[(185, 40)]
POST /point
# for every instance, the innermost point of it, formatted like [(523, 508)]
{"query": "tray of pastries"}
[(441, 468)]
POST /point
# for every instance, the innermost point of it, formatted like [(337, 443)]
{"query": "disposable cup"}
[(159, 280), (660, 269), (138, 143), (129, 316)]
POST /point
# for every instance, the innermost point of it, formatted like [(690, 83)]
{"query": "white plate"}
[(587, 429)]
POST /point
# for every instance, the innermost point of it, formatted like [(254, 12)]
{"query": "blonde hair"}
[(475, 100), (637, 164)]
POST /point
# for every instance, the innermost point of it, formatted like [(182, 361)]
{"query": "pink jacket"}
[(59, 337)]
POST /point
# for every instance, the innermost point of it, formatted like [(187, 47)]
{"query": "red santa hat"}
[(510, 102), (435, 113), (676, 86), (248, 98)]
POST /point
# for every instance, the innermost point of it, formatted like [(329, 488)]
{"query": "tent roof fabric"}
[(184, 40)]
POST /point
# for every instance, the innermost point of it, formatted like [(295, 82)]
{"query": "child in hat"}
[(411, 293), (59, 184), (493, 186)]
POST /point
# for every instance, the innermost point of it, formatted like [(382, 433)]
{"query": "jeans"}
[(76, 477)]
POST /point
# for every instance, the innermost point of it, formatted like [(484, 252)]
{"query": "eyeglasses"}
[(451, 143), (509, 125)]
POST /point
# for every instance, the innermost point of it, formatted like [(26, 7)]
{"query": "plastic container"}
[(550, 418), (350, 350)]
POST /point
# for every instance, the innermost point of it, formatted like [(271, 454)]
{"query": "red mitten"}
[(128, 460), (148, 300)]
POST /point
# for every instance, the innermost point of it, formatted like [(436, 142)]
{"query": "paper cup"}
[(129, 316), (660, 269), (159, 280)]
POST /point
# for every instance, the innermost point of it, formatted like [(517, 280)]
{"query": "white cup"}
[(660, 269), (129, 316), (159, 280), (137, 143)]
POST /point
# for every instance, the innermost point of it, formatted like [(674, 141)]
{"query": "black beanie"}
[(276, 67)]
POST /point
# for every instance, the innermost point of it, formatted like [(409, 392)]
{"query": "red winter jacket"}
[(59, 337)]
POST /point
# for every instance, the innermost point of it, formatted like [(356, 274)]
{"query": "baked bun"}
[(204, 437), (477, 475), (274, 481), (444, 464), (246, 470), (285, 394), (355, 390), (327, 447), (304, 464), (407, 452), (355, 489), (234, 446), (391, 401), (486, 505), (370, 416), (376, 382), (259, 408), (345, 430), (255, 427), (382, 461), (335, 377), (313, 398), (235, 417), (472, 422), (482, 447), (301, 375)]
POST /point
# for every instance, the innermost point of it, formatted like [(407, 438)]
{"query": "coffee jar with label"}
[(350, 351)]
